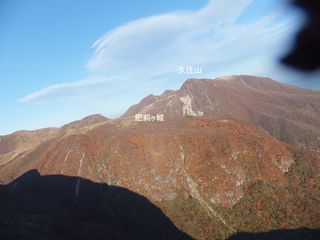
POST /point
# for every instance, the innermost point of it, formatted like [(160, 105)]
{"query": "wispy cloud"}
[(150, 48), (210, 37), (158, 44), (50, 90)]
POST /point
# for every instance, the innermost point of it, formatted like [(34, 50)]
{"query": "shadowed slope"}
[(61, 207), (289, 234)]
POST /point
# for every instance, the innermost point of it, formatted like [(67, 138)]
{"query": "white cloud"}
[(151, 49), (210, 37), (158, 44)]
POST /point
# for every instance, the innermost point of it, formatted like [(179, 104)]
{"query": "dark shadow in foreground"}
[(61, 207), (288, 234)]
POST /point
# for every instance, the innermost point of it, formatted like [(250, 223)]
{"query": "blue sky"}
[(63, 60)]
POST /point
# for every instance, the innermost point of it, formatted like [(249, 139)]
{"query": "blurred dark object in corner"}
[(305, 54)]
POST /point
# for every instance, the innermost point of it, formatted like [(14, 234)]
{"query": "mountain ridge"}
[(289, 113), (212, 175)]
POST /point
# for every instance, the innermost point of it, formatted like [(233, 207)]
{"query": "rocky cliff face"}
[(289, 113)]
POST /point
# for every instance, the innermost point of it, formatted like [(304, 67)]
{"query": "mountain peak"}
[(192, 82), (252, 99), (228, 78), (89, 120)]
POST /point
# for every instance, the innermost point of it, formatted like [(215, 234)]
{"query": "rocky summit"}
[(289, 113)]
